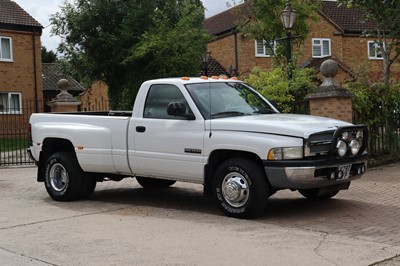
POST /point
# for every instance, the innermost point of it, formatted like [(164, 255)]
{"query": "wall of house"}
[(19, 75), (352, 51), (223, 50)]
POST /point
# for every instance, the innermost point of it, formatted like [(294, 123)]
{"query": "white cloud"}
[(43, 9)]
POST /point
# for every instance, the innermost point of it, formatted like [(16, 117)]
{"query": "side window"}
[(321, 48), (5, 49), (158, 98), (374, 50), (10, 103)]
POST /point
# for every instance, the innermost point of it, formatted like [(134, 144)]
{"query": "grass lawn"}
[(12, 144)]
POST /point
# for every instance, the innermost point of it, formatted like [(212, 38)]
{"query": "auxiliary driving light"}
[(342, 148), (354, 147)]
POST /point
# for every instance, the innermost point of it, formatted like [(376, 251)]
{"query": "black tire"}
[(154, 182), (312, 194), (241, 188), (89, 186), (64, 178)]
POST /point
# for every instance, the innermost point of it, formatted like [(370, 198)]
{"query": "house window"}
[(10, 103), (5, 49), (374, 50), (321, 48), (263, 50)]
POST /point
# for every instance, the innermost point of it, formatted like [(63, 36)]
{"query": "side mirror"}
[(179, 109)]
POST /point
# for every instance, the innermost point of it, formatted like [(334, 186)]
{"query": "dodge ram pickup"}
[(217, 132)]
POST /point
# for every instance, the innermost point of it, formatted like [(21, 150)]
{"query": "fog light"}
[(340, 175), (331, 175), (342, 148), (354, 147)]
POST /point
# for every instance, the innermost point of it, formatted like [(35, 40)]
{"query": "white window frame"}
[(265, 49), (376, 56), (321, 46), (1, 51), (7, 109)]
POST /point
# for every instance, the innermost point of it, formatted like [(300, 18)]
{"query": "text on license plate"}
[(345, 169)]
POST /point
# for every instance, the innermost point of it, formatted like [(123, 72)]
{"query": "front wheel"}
[(241, 188)]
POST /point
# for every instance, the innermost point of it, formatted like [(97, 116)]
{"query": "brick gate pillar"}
[(64, 102), (330, 99)]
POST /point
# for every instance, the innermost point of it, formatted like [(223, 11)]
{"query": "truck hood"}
[(281, 124)]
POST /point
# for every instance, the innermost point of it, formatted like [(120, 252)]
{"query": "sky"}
[(42, 9)]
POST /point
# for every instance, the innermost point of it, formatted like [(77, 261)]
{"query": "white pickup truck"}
[(217, 132)]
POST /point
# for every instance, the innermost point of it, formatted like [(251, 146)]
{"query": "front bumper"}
[(314, 173)]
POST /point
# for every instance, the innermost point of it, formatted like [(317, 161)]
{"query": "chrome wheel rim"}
[(235, 189), (58, 177)]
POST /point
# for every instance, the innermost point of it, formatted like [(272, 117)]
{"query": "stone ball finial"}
[(329, 68), (63, 84)]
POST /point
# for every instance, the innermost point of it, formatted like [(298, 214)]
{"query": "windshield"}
[(224, 99)]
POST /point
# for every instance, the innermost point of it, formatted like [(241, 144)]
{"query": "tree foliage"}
[(124, 42), (48, 56), (385, 13), (264, 23), (275, 85)]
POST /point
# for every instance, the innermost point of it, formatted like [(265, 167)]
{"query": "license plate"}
[(345, 169)]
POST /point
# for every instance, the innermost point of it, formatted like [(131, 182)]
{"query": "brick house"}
[(20, 60), (336, 35)]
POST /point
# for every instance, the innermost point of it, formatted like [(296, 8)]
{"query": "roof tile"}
[(12, 13), (349, 20), (52, 73)]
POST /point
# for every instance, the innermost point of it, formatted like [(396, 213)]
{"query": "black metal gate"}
[(14, 136)]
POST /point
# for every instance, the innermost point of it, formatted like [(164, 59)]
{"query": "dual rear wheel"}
[(64, 178)]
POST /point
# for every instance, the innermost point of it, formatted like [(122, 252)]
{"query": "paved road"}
[(123, 224)]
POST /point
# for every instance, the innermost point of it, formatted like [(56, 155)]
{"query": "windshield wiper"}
[(228, 113), (265, 111)]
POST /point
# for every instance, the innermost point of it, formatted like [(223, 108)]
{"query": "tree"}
[(124, 42), (264, 23), (385, 13), (48, 56)]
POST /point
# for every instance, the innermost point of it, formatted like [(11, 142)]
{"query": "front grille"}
[(320, 143), (345, 141)]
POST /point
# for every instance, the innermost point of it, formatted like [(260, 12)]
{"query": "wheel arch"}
[(49, 147), (219, 156)]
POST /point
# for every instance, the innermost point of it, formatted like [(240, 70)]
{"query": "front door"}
[(166, 145)]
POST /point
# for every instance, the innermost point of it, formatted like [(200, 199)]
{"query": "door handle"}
[(140, 129)]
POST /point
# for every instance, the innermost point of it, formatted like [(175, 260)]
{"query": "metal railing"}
[(14, 135)]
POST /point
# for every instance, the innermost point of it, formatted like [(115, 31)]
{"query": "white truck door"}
[(165, 145)]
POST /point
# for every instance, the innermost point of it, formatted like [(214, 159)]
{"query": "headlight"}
[(286, 153)]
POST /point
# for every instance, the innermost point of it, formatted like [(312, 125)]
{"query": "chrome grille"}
[(320, 143)]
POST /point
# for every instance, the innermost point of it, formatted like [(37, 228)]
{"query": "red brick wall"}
[(351, 50), (19, 76), (336, 107), (95, 98), (223, 50)]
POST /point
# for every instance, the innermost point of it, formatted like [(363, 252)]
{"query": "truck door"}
[(166, 145)]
